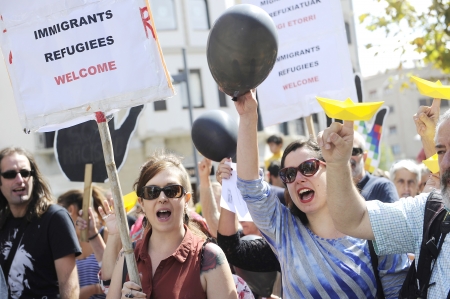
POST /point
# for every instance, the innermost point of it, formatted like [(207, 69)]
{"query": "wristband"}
[(93, 237)]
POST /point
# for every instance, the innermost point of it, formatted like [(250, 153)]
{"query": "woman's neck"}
[(322, 225), (166, 242)]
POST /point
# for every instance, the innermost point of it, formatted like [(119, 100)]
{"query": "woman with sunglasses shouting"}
[(316, 260), (172, 256)]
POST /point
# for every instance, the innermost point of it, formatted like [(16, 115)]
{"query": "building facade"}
[(165, 124), (400, 94)]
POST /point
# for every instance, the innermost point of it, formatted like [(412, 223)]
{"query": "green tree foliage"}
[(430, 28)]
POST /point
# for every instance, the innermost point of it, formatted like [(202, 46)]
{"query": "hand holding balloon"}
[(247, 104)]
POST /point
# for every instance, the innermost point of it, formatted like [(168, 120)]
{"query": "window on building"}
[(425, 102), (391, 109), (373, 93), (196, 88), (300, 126), (160, 105), (222, 99), (392, 130), (164, 14), (347, 30), (388, 90), (284, 128), (315, 118), (46, 140), (396, 150), (198, 14)]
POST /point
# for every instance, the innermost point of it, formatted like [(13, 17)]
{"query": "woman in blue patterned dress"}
[(316, 260)]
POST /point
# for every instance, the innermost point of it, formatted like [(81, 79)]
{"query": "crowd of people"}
[(322, 226)]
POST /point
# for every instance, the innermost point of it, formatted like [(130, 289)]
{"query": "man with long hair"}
[(38, 243)]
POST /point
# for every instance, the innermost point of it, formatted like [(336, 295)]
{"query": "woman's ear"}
[(188, 197)]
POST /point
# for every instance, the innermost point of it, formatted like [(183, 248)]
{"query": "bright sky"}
[(387, 58)]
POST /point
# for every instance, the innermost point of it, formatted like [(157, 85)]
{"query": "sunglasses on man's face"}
[(306, 168), (11, 174), (356, 151), (172, 191)]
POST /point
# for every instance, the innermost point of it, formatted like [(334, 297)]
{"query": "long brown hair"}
[(314, 148), (40, 196), (158, 162)]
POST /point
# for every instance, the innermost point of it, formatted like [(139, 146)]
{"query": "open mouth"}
[(306, 194), (19, 190), (163, 214)]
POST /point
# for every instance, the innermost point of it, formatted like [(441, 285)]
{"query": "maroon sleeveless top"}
[(178, 276)]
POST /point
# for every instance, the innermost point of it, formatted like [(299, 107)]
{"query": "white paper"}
[(115, 61), (231, 196), (313, 59)]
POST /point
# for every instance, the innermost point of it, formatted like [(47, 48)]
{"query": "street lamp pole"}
[(186, 79)]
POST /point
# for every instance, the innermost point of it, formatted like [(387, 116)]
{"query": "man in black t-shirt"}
[(38, 243)]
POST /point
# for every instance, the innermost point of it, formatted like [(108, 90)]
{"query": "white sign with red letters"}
[(69, 59), (313, 59)]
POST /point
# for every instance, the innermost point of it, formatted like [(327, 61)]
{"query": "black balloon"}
[(242, 48), (214, 134)]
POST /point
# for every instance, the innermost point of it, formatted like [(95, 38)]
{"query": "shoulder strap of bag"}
[(432, 240), (374, 260), (8, 262)]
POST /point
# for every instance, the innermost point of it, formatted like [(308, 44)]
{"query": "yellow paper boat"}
[(432, 163), (129, 200), (432, 89), (347, 110)]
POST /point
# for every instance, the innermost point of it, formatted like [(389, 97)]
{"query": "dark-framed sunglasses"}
[(153, 192), (306, 168), (11, 174), (356, 151)]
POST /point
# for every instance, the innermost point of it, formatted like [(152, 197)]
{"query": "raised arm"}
[(247, 145), (245, 254), (209, 206), (95, 239), (113, 244), (426, 119), (347, 207)]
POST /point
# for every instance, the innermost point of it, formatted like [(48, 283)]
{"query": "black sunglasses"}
[(153, 192), (11, 174), (356, 151), (306, 168)]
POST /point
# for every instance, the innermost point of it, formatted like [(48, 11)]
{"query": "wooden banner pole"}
[(116, 191), (310, 125), (87, 200)]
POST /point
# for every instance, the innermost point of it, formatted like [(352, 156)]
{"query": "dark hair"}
[(277, 139), (158, 162), (75, 197), (274, 168), (40, 196), (315, 150)]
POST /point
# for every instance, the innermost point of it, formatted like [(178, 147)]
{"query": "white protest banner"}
[(313, 59), (232, 198), (69, 59)]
